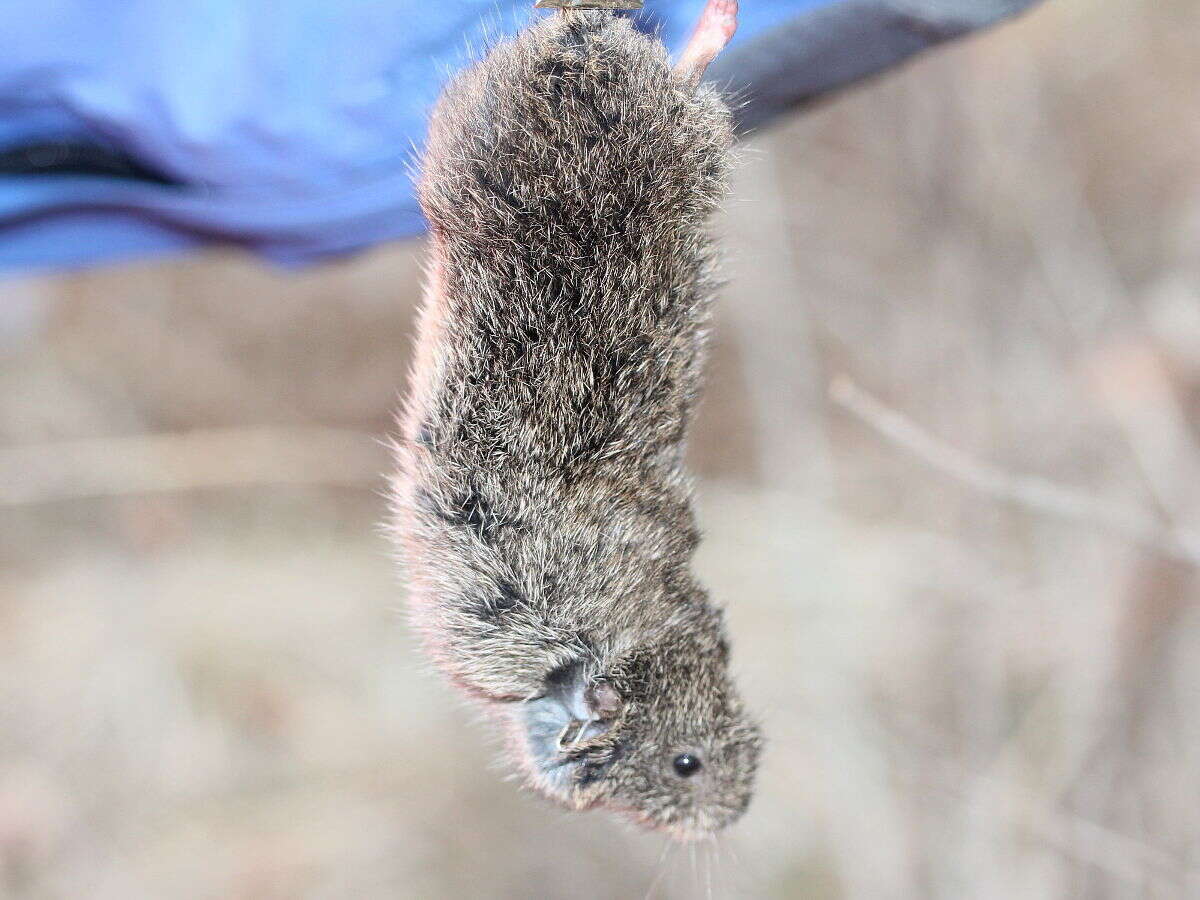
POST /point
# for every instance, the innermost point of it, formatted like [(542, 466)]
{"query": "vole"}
[(541, 505)]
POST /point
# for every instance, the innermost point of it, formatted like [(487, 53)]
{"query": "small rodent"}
[(540, 501)]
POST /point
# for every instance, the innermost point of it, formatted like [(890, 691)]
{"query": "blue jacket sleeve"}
[(139, 127)]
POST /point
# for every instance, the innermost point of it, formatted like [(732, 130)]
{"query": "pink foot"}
[(717, 24)]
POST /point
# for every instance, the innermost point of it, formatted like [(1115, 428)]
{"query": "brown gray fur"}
[(541, 505)]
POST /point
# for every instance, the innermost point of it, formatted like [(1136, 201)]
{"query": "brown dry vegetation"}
[(971, 630)]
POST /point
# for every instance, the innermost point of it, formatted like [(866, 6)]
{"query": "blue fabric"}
[(289, 125)]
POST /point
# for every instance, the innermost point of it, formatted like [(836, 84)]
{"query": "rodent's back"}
[(567, 182)]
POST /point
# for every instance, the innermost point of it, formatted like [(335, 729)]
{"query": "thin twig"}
[(1118, 854), (1030, 491)]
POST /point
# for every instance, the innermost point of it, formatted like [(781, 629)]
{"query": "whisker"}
[(708, 869), (661, 868)]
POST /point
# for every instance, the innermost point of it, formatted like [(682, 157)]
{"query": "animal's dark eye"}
[(686, 765)]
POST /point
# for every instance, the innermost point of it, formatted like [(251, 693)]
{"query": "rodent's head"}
[(659, 735)]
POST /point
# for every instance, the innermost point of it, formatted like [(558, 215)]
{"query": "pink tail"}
[(717, 24)]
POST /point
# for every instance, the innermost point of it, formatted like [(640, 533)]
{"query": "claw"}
[(571, 734)]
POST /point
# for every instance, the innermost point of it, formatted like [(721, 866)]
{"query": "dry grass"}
[(205, 690)]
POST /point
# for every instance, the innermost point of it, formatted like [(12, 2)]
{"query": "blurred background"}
[(949, 475)]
